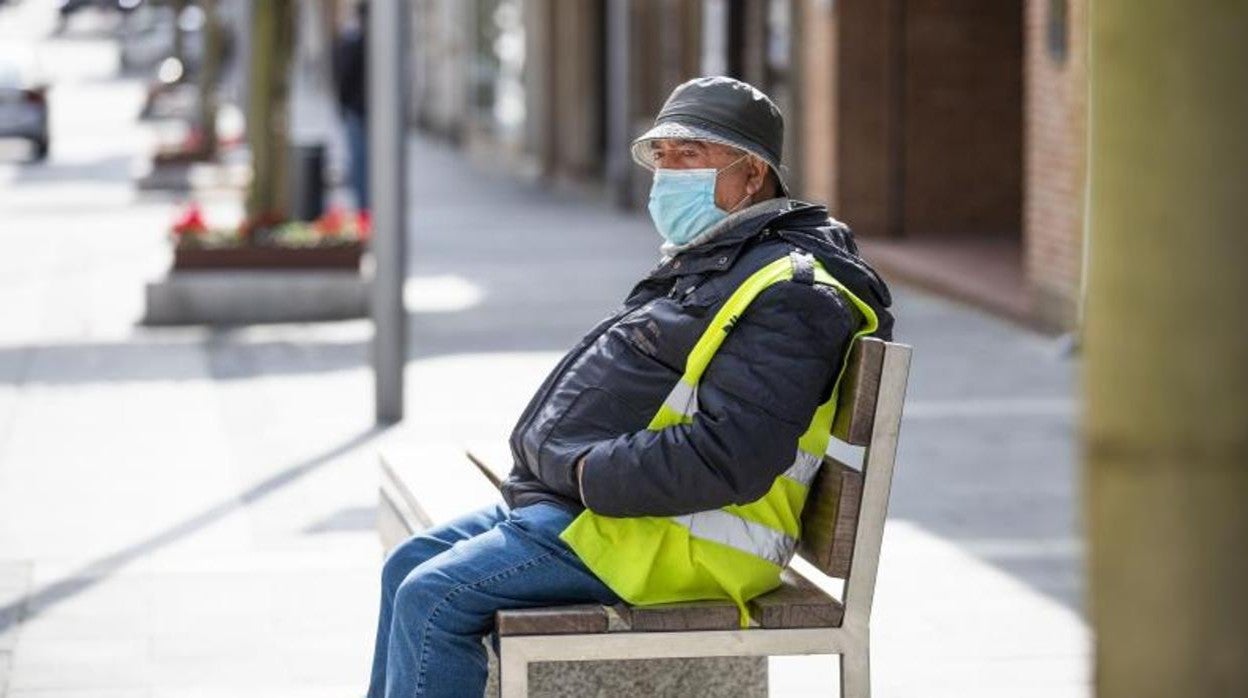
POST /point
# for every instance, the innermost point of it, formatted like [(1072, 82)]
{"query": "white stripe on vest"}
[(804, 467), (735, 532), (683, 399)]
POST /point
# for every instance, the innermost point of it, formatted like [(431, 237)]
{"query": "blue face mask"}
[(682, 202)]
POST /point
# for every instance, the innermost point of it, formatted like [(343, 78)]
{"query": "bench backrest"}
[(843, 520)]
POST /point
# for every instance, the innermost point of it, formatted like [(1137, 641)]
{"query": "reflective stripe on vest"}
[(735, 552), (736, 532), (683, 400)]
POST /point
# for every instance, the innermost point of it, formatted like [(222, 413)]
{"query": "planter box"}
[(343, 257), (234, 297), (165, 178), (164, 158)]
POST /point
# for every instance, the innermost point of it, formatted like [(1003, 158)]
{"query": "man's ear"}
[(758, 176)]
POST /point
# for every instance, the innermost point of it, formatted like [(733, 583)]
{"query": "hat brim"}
[(675, 130)]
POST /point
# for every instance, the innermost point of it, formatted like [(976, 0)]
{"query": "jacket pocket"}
[(668, 329), (596, 414)]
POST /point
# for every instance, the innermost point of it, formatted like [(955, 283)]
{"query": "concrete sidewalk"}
[(189, 512)]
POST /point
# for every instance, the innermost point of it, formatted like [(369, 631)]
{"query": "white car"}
[(23, 102)]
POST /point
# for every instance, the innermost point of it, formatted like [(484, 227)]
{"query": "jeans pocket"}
[(541, 517), (543, 523)]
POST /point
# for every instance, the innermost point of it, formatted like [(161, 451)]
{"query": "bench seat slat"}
[(695, 615), (424, 485), (797, 603), (581, 619)]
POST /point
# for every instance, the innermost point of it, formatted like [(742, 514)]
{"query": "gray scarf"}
[(768, 206)]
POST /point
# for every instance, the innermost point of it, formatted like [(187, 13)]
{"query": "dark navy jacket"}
[(755, 399)]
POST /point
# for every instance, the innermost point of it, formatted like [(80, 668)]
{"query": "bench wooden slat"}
[(797, 603), (485, 469), (830, 518), (553, 620), (397, 520), (397, 496), (423, 485), (855, 411), (491, 458), (695, 615)]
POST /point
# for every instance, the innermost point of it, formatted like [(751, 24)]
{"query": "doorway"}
[(931, 143)]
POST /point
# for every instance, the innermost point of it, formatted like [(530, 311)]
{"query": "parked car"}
[(69, 7), (23, 102)]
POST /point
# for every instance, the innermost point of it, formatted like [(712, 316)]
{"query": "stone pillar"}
[(619, 101), (539, 84), (578, 76), (816, 131), (1166, 428)]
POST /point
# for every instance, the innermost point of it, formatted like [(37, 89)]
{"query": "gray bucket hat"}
[(720, 110)]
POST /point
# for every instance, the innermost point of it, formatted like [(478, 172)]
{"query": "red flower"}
[(332, 222), (190, 221), (364, 222)]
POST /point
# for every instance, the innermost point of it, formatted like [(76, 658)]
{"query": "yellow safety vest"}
[(736, 552)]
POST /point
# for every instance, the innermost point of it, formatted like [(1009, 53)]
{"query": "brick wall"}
[(1054, 175)]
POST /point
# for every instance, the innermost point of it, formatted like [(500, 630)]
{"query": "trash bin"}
[(307, 181)]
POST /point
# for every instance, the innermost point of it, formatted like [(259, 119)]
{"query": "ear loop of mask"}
[(748, 193)]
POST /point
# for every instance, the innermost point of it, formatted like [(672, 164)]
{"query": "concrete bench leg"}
[(729, 677)]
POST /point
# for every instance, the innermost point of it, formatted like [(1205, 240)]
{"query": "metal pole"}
[(387, 163)]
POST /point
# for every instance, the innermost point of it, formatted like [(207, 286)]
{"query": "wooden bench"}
[(843, 525)]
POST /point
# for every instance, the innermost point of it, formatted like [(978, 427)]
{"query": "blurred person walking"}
[(350, 87)]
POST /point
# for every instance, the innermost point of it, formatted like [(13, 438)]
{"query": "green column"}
[(1166, 386)]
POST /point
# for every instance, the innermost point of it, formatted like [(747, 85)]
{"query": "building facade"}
[(950, 134)]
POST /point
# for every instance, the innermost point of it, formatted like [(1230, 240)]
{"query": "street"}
[(190, 511)]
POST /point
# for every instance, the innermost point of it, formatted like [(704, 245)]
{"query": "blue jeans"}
[(357, 156), (440, 589)]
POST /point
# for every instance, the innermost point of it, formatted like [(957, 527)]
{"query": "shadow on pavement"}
[(38, 601)]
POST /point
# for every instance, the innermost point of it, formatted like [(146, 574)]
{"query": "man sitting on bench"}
[(667, 456)]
